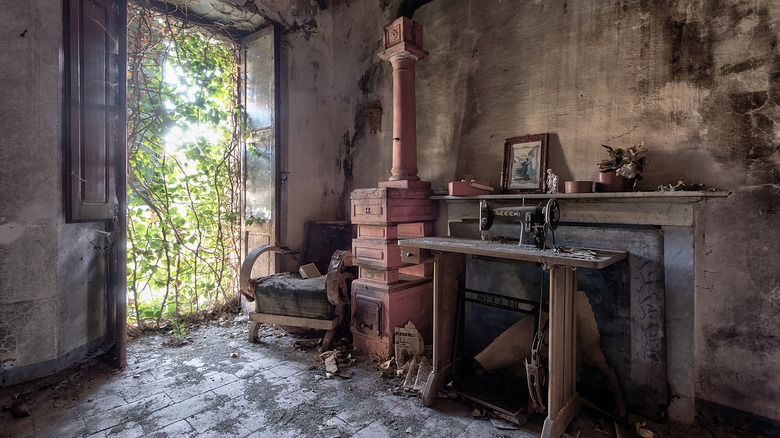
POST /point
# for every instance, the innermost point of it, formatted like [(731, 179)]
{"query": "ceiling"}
[(243, 17), (238, 18)]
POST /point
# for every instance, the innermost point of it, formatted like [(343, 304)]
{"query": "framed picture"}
[(525, 164)]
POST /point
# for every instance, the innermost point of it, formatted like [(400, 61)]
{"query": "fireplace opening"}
[(620, 317)]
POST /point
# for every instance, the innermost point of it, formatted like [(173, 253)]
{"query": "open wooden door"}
[(259, 52), (94, 128)]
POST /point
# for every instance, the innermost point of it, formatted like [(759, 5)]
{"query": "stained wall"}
[(697, 81), (52, 274), (311, 181)]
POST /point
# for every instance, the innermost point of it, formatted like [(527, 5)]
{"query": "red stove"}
[(388, 292)]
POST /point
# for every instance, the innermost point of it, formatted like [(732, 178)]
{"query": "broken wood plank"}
[(330, 363), (510, 348), (317, 324), (309, 271)]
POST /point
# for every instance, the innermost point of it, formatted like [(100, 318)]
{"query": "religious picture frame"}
[(525, 164)]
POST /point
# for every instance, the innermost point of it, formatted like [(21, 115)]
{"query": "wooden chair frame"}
[(337, 293)]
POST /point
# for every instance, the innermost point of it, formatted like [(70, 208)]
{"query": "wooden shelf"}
[(676, 197)]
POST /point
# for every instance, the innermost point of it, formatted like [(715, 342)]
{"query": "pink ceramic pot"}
[(578, 186), (610, 182)]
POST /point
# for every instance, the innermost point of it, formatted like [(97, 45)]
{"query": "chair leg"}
[(328, 339), (254, 330)]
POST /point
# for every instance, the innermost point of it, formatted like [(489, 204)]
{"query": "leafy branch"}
[(183, 167)]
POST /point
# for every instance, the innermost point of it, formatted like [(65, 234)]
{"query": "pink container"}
[(610, 182), (578, 186)]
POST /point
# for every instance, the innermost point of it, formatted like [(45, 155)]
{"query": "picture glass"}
[(524, 168)]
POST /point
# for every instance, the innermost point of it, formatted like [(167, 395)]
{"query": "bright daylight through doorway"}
[(184, 180)]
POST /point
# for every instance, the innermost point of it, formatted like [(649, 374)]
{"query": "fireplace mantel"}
[(631, 208), (679, 196)]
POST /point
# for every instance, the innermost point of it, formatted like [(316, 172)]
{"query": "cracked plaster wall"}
[(52, 286), (308, 141), (330, 75), (737, 297), (697, 81)]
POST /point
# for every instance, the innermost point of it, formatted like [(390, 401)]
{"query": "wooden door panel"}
[(91, 109)]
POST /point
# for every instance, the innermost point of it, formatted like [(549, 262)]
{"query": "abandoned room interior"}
[(546, 210)]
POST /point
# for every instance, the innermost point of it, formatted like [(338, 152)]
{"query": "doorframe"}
[(117, 258)]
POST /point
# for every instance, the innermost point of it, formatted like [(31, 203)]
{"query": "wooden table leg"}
[(563, 400), (449, 269)]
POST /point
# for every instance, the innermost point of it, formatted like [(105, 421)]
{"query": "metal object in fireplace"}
[(537, 220)]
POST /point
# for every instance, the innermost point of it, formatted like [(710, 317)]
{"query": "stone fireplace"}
[(643, 305)]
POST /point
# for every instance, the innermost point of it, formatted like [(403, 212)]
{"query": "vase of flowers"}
[(622, 170)]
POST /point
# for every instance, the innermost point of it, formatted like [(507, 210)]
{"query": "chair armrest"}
[(249, 262)]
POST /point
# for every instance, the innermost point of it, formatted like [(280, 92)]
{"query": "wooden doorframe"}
[(95, 165), (118, 255)]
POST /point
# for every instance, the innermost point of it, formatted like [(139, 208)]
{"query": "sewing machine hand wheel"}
[(552, 214)]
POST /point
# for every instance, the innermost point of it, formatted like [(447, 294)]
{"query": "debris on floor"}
[(177, 341), (408, 342), (504, 425), (411, 375), (336, 359), (307, 344), (602, 427), (388, 368), (423, 371), (329, 358), (19, 409), (641, 432), (268, 390)]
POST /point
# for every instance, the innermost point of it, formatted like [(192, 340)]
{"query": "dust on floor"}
[(219, 384)]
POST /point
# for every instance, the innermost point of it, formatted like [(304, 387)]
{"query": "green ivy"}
[(183, 168)]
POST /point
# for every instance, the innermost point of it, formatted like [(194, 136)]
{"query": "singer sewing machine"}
[(536, 220)]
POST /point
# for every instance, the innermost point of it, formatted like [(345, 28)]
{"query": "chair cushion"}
[(286, 294)]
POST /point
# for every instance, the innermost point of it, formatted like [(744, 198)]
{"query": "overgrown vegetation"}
[(183, 168)]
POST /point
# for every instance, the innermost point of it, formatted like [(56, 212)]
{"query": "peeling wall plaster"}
[(698, 83), (289, 13)]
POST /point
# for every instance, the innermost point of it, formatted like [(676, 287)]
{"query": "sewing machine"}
[(536, 220)]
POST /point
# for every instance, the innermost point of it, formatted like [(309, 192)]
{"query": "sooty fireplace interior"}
[(627, 300)]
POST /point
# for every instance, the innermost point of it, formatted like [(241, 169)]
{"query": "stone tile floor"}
[(220, 385)]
